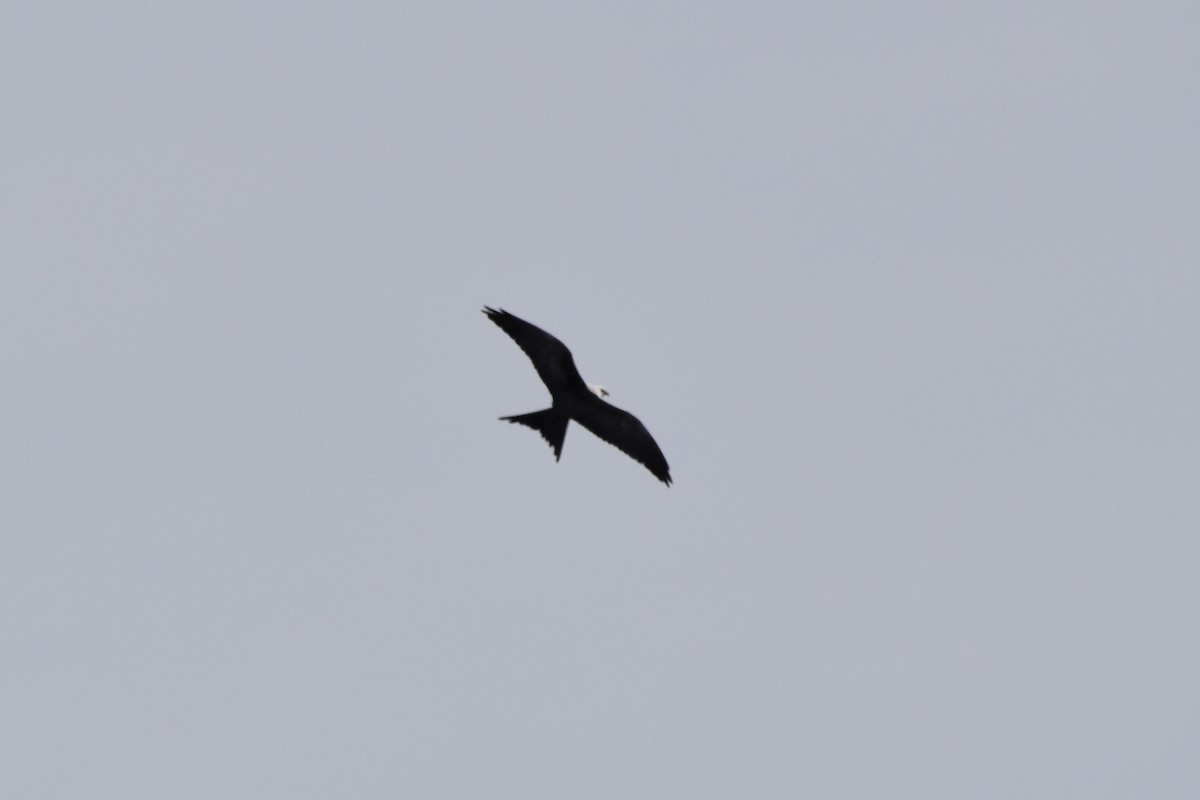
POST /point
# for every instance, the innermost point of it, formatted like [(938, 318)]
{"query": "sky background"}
[(907, 293)]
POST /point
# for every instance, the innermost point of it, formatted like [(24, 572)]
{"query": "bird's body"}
[(572, 399)]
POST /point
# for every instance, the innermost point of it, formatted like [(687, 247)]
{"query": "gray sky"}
[(907, 293)]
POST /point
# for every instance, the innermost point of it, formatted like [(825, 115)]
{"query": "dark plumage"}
[(572, 399)]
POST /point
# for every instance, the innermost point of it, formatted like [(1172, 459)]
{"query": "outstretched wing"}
[(624, 431), (550, 357)]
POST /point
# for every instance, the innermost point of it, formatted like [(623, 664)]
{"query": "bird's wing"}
[(623, 431), (550, 357)]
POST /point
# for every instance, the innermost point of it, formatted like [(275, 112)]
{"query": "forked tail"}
[(551, 424)]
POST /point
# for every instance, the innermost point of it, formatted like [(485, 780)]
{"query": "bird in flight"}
[(572, 399)]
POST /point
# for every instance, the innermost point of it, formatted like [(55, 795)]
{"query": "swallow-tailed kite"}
[(572, 399)]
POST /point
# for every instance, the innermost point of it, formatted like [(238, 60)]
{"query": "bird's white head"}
[(598, 390)]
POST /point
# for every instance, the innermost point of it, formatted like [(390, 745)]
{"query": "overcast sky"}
[(909, 295)]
